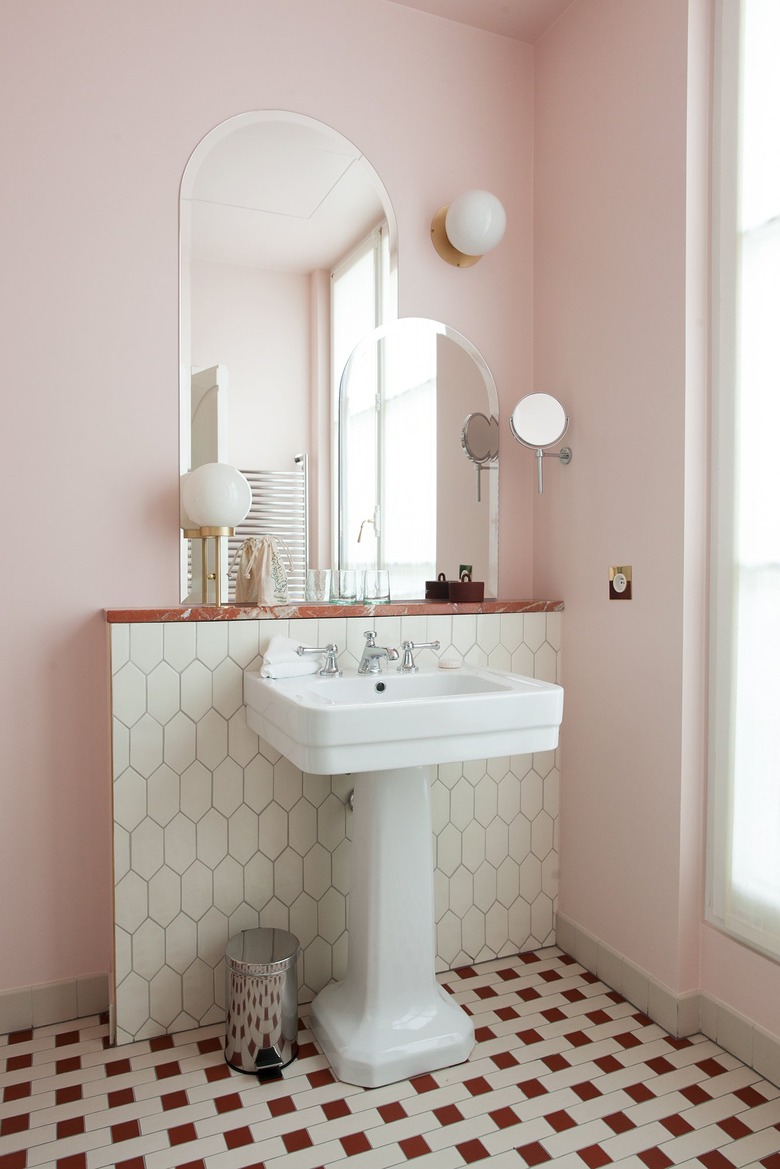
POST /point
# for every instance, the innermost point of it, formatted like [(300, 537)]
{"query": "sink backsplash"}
[(215, 832)]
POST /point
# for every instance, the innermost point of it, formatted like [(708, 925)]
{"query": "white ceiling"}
[(523, 20)]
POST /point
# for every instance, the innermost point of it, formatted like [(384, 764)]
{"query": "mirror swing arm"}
[(539, 421)]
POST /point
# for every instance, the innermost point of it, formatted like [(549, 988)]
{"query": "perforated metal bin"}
[(261, 1027)]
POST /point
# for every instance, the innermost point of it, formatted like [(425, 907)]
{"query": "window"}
[(744, 825)]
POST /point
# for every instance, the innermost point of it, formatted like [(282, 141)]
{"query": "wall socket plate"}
[(620, 582)]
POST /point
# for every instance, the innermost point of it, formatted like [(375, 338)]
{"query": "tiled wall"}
[(214, 832)]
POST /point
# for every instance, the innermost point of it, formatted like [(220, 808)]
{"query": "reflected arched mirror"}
[(539, 421), (407, 499)]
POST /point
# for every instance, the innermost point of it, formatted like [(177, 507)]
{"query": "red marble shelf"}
[(299, 610)]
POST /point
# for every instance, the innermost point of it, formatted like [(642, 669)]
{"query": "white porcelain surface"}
[(375, 722)]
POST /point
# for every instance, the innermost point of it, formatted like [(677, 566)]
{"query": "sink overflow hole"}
[(379, 687)]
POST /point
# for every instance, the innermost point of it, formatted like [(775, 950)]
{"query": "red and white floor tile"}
[(564, 1072)]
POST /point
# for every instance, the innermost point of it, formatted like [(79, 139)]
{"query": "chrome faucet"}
[(373, 654), (330, 668), (408, 665)]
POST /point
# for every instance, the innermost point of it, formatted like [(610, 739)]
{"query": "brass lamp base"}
[(206, 534)]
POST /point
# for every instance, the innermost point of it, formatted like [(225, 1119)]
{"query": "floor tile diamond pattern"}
[(565, 1072)]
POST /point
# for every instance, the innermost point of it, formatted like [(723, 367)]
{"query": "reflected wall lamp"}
[(468, 227), (215, 498)]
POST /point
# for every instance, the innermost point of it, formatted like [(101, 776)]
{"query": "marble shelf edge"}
[(301, 610)]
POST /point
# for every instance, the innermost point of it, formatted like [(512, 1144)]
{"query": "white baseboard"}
[(53, 1002), (680, 1015)]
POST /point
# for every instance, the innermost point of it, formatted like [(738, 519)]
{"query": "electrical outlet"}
[(620, 582)]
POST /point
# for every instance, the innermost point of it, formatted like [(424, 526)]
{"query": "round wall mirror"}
[(539, 420), (480, 437)]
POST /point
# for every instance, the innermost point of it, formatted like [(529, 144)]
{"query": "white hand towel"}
[(281, 661)]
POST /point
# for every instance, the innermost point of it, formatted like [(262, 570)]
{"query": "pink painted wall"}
[(104, 104), (620, 312)]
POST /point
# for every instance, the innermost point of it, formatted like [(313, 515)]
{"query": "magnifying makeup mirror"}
[(479, 439), (539, 421)]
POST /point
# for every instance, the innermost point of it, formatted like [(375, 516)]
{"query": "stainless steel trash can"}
[(261, 1031)]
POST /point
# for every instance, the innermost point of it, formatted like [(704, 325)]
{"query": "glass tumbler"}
[(376, 587), (345, 590), (318, 585)]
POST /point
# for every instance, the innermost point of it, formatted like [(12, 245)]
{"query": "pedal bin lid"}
[(262, 951)]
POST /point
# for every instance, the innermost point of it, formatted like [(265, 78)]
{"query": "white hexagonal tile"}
[(288, 876), (519, 838), (331, 916), (197, 890), (162, 795), (496, 927), (131, 902), (340, 866), (462, 803), (288, 783), (228, 688), (507, 882), (179, 742), (531, 795), (511, 630), (211, 739), (316, 872), (276, 916), (553, 629), (120, 746), (228, 787), (179, 644), (488, 631), (179, 843), (496, 842), (121, 852), (258, 783), (273, 828), (129, 693), (448, 850), (486, 800), (474, 770), (440, 806), (546, 664), (242, 741), (242, 834), (198, 989), (228, 885), (195, 690), (146, 745), (316, 788), (195, 794), (508, 797), (542, 835), (181, 943), (303, 827), (473, 932), (534, 630), (461, 891), (523, 662), (340, 955), (550, 873), (211, 642), (242, 642), (464, 633), (448, 937), (500, 658), (331, 823), (519, 917), (162, 693), (530, 878), (212, 838), (473, 846), (148, 949), (449, 774), (498, 766), (485, 882), (164, 896), (212, 936), (129, 799), (542, 922), (132, 1003), (244, 918), (146, 849), (146, 645), (317, 965), (123, 953), (258, 881), (120, 646), (303, 919)]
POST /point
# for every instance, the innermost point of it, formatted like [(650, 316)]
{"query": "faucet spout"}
[(374, 655)]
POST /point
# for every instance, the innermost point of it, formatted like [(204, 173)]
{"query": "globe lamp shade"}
[(215, 495)]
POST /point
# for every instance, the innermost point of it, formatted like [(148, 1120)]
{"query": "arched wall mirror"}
[(407, 496), (284, 225)]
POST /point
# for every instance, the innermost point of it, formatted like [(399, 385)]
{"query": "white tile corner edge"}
[(680, 1015), (53, 1002)]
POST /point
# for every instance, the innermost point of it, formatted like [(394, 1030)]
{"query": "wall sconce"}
[(468, 227), (215, 497), (539, 421)]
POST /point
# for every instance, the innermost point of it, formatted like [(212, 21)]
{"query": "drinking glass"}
[(345, 590), (376, 587), (318, 585)]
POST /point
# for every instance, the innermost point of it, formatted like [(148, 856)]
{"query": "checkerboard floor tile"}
[(565, 1072)]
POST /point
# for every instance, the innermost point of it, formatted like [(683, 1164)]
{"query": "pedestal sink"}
[(389, 1019)]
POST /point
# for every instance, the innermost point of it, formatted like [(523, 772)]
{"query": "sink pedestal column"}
[(389, 1019)]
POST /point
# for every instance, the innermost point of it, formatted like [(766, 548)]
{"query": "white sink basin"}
[(376, 722)]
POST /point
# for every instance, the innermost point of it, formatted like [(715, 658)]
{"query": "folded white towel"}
[(281, 661)]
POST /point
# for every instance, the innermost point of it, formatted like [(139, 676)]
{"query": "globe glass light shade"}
[(215, 495), (475, 223)]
